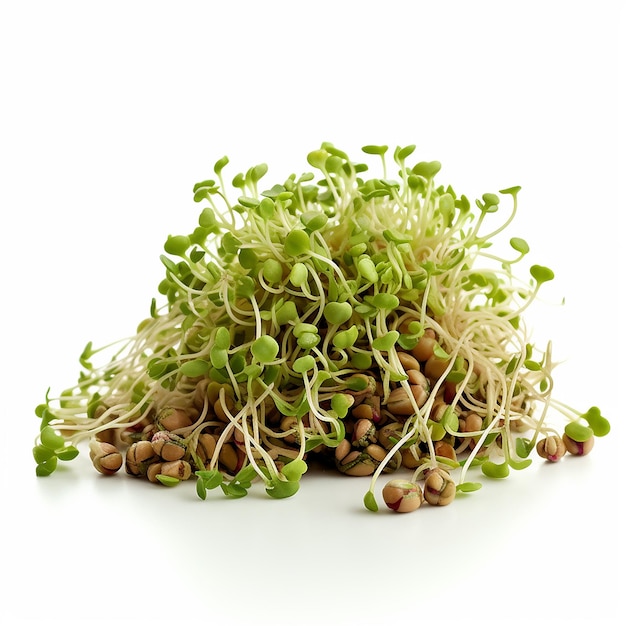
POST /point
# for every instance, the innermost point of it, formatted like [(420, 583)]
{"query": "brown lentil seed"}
[(425, 346), (106, 458), (578, 448), (389, 434), (173, 418), (439, 488), (364, 433), (228, 457), (435, 367), (408, 362), (551, 448), (206, 447), (444, 449), (153, 470), (402, 496), (176, 469)]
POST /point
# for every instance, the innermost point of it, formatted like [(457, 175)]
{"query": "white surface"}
[(111, 111)]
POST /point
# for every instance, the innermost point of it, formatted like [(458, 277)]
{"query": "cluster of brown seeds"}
[(177, 440)]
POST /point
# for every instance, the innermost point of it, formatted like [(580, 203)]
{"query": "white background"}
[(111, 111)]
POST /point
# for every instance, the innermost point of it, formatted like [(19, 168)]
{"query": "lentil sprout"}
[(332, 318)]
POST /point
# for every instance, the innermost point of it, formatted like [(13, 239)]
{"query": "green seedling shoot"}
[(358, 319)]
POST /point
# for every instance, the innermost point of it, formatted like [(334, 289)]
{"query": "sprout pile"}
[(356, 322)]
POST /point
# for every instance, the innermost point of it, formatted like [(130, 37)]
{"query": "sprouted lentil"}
[(345, 320)]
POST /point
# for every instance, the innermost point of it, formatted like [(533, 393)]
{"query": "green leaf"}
[(286, 313), (427, 169), (168, 481), (337, 312), (369, 500), (245, 476), (578, 432), (317, 158), (197, 367), (519, 245), (495, 470), (46, 467), (346, 338), (541, 274), (401, 154), (67, 454), (386, 341), (220, 164), (341, 403), (201, 489), (523, 447), (367, 269), (297, 242), (314, 220), (384, 301), (50, 439), (372, 149), (177, 244), (599, 424), (210, 478), (222, 337), (293, 470), (519, 465), (234, 490), (303, 364), (41, 453), (468, 487), (265, 349), (282, 488), (450, 420)]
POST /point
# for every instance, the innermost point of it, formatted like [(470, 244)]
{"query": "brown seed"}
[(408, 361), (435, 367), (444, 449), (357, 464), (364, 433), (551, 448), (411, 457), (105, 457), (173, 418), (138, 457), (153, 470), (472, 423), (402, 496), (220, 411), (415, 377), (200, 394), (176, 469), (206, 447), (578, 448), (362, 411), (439, 488), (438, 410), (425, 346), (229, 458), (399, 403), (389, 434), (420, 393), (213, 392), (168, 446), (377, 452), (342, 450)]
